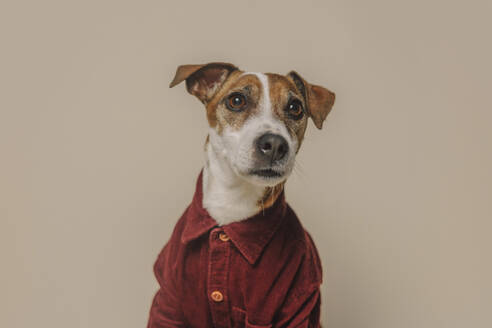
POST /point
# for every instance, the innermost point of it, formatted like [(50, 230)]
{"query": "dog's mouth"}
[(267, 173)]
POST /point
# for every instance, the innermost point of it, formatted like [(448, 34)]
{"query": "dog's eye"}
[(236, 101), (294, 109)]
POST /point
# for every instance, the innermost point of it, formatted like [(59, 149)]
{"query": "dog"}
[(239, 256)]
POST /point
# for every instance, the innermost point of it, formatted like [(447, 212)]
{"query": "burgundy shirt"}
[(256, 273)]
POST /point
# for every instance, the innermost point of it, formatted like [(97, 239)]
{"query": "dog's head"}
[(257, 121)]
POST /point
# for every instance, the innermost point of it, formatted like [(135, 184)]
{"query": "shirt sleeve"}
[(302, 312), (301, 308), (165, 311)]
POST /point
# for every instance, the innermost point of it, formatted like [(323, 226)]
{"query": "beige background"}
[(99, 158)]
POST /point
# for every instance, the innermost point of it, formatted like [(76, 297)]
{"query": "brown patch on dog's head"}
[(319, 100), (282, 92), (220, 116), (212, 82)]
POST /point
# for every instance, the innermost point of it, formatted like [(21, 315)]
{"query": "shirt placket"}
[(218, 272)]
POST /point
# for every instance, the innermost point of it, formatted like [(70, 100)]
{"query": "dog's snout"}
[(271, 146)]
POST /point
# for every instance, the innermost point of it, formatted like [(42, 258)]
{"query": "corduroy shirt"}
[(260, 272)]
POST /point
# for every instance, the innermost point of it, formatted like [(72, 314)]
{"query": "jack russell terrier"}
[(238, 256)]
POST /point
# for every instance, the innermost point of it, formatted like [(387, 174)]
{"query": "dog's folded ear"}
[(203, 81), (319, 100)]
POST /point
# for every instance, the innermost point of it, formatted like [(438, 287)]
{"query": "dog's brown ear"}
[(203, 81), (319, 100)]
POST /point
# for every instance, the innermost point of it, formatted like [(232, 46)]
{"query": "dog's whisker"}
[(299, 170)]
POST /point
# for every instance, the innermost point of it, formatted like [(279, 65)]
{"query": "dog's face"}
[(257, 121)]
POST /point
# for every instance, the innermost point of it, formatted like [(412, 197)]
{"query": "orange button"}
[(217, 296), (223, 237)]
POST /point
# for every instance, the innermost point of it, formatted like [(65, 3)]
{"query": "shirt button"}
[(217, 296), (223, 237)]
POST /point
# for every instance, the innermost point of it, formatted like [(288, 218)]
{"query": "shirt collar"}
[(250, 236)]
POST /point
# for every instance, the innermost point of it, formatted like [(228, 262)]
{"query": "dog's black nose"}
[(271, 146)]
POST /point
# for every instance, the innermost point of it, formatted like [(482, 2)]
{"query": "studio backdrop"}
[(99, 158)]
